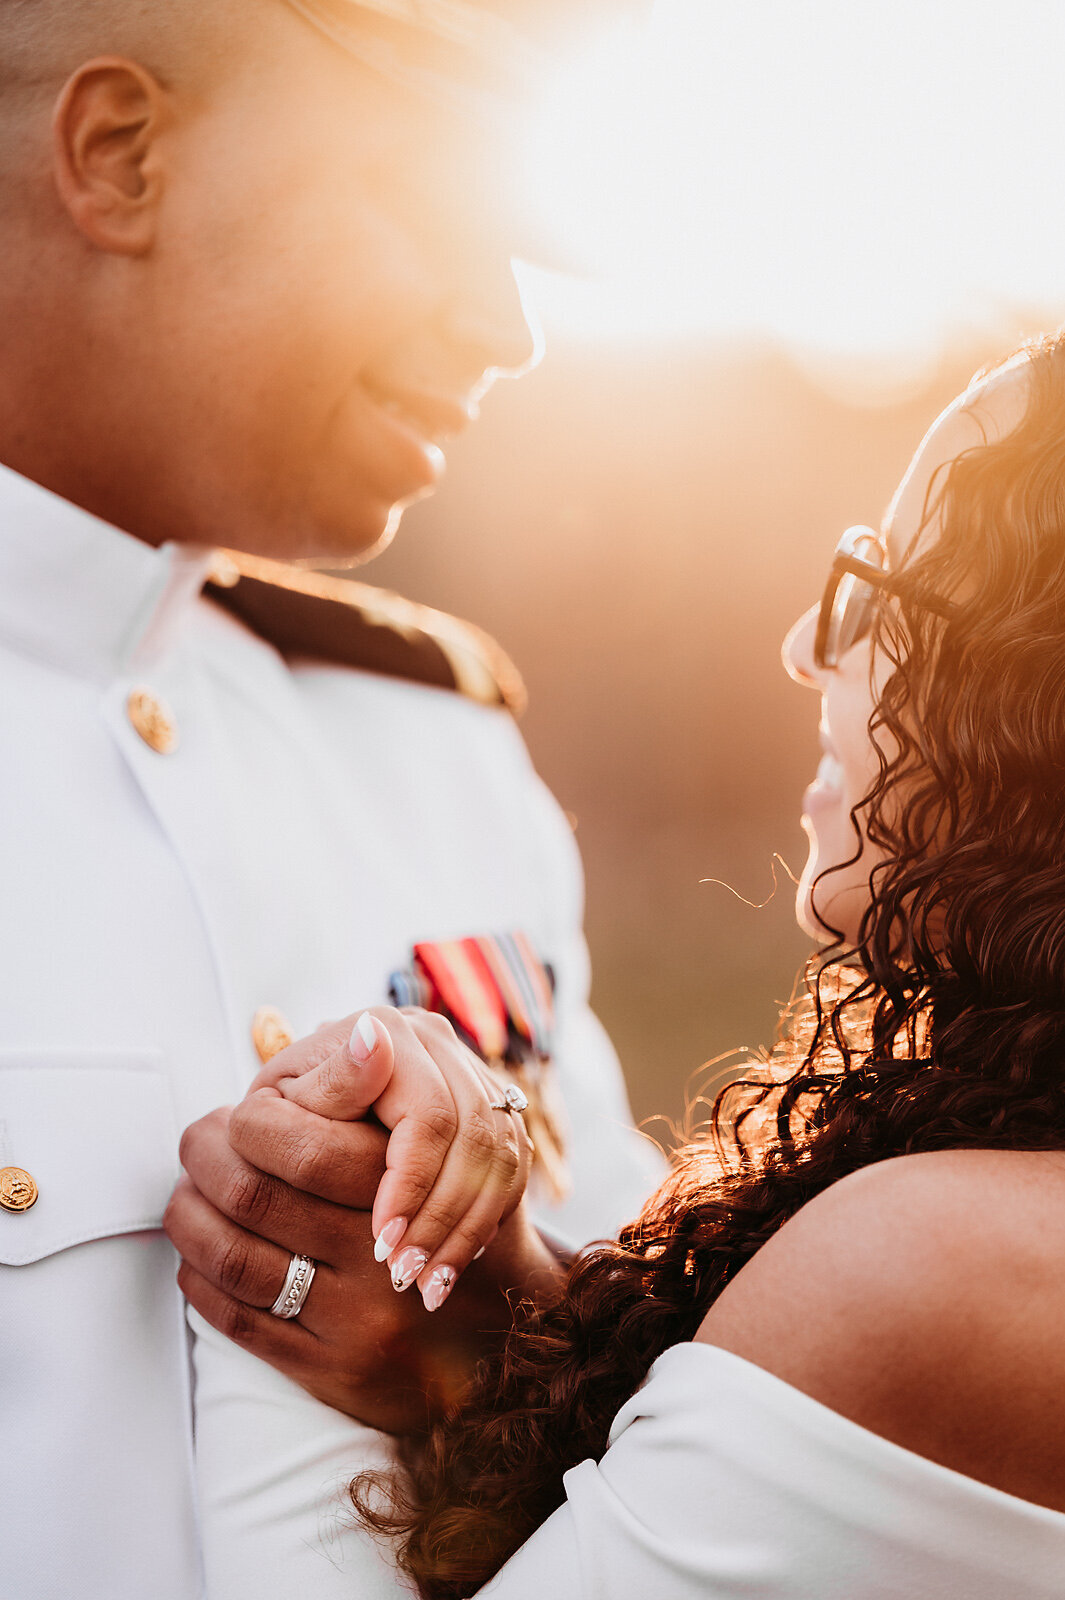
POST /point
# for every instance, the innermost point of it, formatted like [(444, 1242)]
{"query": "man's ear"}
[(105, 128)]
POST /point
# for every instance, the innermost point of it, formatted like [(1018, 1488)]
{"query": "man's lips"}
[(432, 416)]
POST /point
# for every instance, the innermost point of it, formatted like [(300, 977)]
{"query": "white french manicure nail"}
[(389, 1237), (363, 1040)]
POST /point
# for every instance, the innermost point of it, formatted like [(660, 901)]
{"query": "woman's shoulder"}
[(924, 1298), (967, 1220)]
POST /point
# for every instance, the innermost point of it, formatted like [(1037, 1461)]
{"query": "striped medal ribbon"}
[(498, 995)]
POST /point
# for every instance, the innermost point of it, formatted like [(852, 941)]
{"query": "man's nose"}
[(491, 324), (797, 651)]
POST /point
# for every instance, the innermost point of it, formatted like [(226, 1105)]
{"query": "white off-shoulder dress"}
[(722, 1482)]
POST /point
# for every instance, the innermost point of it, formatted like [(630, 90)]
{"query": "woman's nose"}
[(797, 651)]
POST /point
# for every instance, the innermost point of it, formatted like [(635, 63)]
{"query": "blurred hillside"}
[(639, 530)]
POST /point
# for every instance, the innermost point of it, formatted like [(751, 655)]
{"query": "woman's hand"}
[(457, 1161)]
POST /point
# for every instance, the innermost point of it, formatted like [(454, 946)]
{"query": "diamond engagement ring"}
[(511, 1099), (298, 1280)]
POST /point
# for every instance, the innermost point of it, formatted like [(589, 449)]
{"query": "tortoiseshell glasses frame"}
[(857, 583)]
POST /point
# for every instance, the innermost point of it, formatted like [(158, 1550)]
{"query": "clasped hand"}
[(376, 1147)]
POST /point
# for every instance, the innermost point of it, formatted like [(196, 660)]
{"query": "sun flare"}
[(845, 179)]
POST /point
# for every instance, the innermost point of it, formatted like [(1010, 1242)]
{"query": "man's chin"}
[(335, 542), (368, 552)]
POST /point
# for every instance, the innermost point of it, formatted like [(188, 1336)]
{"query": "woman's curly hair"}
[(942, 1028)]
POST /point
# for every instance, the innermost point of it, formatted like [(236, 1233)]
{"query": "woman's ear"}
[(106, 126)]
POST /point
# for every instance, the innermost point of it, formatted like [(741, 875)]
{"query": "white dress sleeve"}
[(723, 1483)]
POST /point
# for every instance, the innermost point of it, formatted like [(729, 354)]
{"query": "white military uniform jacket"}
[(310, 823)]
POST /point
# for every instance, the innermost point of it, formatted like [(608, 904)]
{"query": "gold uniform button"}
[(271, 1031), (17, 1189), (153, 720)]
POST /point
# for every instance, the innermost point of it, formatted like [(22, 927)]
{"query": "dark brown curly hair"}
[(942, 1028)]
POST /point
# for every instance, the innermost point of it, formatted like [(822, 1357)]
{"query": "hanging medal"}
[(525, 986)]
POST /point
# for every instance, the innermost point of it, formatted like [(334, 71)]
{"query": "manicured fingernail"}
[(406, 1267), (440, 1284), (363, 1041), (389, 1237)]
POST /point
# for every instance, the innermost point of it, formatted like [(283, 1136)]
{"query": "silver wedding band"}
[(298, 1280), (511, 1099)]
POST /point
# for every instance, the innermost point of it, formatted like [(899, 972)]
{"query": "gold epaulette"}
[(306, 613)]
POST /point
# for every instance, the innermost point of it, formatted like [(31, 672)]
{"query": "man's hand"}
[(269, 1179)]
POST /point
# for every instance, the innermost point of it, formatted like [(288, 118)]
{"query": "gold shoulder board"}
[(306, 613)]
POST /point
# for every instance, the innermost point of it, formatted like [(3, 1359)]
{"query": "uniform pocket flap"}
[(96, 1132)]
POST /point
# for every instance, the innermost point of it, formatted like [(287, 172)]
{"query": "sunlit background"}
[(850, 179), (809, 222)]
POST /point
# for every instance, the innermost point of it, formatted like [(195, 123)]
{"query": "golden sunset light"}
[(852, 180), (532, 835)]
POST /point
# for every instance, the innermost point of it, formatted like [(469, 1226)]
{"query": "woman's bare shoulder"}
[(924, 1298)]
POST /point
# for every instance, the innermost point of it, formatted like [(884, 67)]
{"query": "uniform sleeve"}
[(723, 1483), (272, 1468), (614, 1168)]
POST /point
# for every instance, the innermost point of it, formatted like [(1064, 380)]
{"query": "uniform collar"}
[(78, 592)]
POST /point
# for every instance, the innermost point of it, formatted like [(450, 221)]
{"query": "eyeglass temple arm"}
[(894, 583)]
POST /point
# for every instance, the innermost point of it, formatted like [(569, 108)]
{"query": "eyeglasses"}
[(856, 587)]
